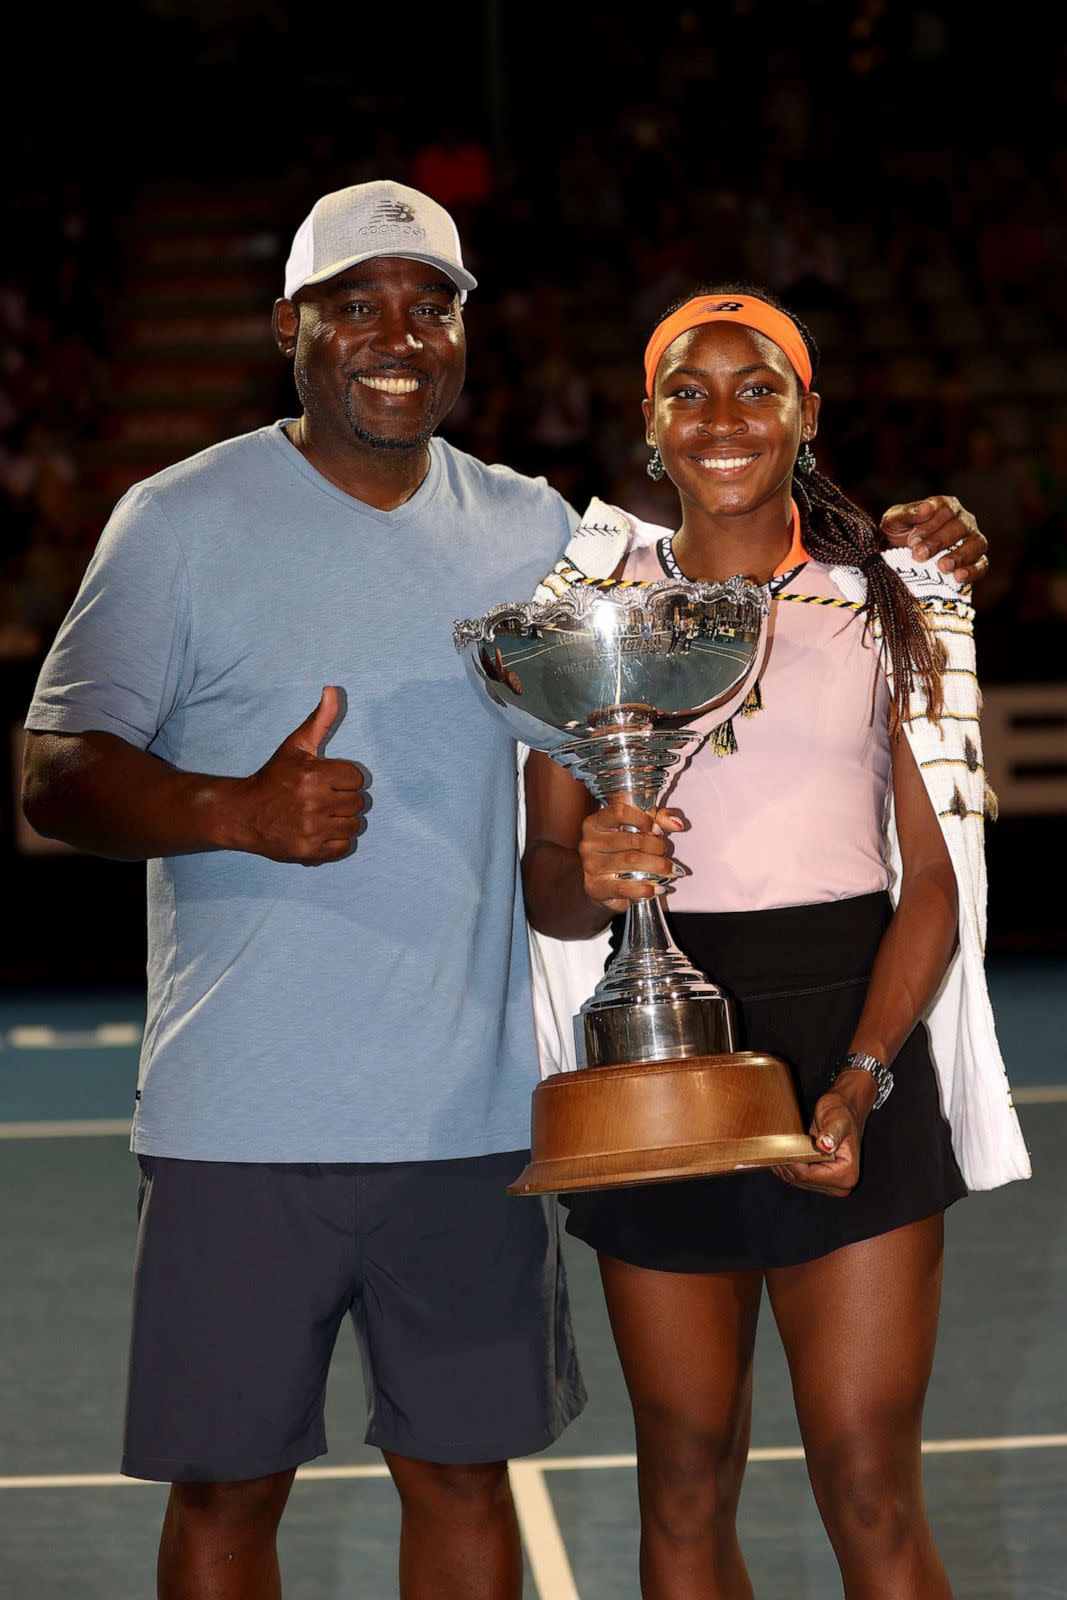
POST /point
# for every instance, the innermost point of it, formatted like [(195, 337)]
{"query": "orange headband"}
[(744, 309)]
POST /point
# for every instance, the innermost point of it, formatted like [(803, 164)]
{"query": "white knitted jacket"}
[(975, 1094)]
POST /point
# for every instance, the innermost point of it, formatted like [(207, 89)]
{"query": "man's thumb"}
[(312, 733)]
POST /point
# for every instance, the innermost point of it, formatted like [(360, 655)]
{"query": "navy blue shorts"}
[(245, 1273)]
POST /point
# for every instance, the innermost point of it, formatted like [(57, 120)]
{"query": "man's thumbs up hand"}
[(300, 806), (316, 729)]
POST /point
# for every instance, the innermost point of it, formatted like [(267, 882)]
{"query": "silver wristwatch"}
[(864, 1063)]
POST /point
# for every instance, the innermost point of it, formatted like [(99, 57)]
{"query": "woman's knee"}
[(690, 1476), (870, 1501)]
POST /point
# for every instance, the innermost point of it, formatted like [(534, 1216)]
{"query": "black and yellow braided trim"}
[(949, 607)]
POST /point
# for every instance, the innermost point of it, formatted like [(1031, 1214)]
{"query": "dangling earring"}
[(655, 468), (806, 459)]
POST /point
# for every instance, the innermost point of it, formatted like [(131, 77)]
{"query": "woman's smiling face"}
[(728, 416)]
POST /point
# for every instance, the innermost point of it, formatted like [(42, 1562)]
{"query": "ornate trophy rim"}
[(577, 601)]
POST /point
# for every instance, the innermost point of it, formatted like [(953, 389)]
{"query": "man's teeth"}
[(723, 463), (391, 385)]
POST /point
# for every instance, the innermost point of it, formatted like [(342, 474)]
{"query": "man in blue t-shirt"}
[(335, 1077), (336, 1072)]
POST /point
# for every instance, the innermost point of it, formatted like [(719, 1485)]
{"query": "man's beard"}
[(379, 441)]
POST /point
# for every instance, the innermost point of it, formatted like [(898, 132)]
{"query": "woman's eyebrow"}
[(738, 372)]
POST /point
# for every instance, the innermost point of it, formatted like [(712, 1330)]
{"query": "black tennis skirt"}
[(799, 977)]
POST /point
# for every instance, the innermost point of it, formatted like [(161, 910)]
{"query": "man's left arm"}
[(939, 523)]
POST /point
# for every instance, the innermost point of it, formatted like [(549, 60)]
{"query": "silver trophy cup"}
[(607, 680)]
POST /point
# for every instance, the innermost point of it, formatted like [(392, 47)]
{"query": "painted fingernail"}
[(827, 1141)]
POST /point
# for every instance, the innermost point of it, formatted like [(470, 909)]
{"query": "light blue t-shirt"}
[(371, 1009)]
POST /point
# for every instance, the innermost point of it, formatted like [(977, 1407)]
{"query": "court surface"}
[(996, 1422)]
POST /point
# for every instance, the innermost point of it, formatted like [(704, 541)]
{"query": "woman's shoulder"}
[(933, 589)]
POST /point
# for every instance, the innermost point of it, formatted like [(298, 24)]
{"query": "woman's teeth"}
[(723, 463)]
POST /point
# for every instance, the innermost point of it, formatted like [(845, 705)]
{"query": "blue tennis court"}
[(996, 1424)]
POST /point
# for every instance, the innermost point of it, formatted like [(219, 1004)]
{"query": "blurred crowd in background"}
[(851, 156)]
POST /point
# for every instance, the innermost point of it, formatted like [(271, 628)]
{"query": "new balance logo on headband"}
[(374, 219), (751, 312)]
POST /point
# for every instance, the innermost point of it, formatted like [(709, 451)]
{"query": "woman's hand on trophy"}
[(626, 853), (836, 1132)]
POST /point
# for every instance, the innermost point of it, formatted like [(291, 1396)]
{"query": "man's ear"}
[(285, 325)]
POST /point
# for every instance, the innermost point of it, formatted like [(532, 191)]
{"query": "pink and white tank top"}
[(796, 814)]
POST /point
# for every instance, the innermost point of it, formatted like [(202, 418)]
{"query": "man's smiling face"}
[(381, 352)]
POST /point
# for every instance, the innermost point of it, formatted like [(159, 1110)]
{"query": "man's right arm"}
[(99, 793)]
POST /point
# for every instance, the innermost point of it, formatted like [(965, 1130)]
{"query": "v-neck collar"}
[(417, 503), (784, 572)]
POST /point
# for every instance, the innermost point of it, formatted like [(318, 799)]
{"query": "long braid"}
[(839, 532)]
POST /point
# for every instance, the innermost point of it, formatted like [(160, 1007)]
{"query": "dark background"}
[(896, 173)]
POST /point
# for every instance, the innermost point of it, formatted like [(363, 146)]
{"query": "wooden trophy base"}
[(613, 1127)]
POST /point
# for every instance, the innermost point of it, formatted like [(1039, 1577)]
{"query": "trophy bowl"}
[(607, 678)]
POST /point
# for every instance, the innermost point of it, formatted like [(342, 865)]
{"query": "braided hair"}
[(839, 532)]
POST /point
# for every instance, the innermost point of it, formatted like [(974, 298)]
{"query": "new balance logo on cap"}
[(395, 211), (374, 219), (393, 217)]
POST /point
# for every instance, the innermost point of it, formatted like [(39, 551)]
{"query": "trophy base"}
[(614, 1127)]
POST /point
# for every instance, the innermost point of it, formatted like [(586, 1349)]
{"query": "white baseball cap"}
[(374, 219)]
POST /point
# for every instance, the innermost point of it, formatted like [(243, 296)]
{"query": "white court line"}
[(545, 1550), (80, 1128), (105, 1036), (128, 1035), (786, 1452), (106, 1127), (1052, 1094)]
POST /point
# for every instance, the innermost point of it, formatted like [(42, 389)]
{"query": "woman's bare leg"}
[(685, 1341), (859, 1328)]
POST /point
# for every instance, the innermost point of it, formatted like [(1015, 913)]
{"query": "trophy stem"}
[(649, 966), (652, 1004), (636, 761)]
